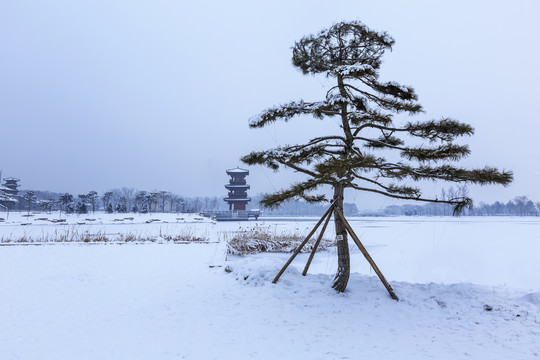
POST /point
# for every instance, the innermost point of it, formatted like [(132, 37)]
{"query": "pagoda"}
[(10, 186), (8, 193), (237, 197)]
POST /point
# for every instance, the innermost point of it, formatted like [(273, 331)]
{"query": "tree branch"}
[(459, 203)]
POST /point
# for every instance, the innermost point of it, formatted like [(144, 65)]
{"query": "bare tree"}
[(106, 198), (30, 197), (153, 201), (46, 205), (128, 194), (164, 195)]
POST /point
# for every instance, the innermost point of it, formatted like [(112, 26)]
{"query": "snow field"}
[(165, 301)]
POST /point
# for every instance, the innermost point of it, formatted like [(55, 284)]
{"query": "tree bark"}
[(344, 267)]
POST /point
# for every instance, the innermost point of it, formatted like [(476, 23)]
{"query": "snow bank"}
[(430, 320)]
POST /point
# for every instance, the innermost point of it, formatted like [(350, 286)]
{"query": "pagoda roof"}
[(237, 200), (237, 170), (11, 179), (232, 186), (6, 198)]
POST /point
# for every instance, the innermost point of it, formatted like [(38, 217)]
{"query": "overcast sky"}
[(157, 94)]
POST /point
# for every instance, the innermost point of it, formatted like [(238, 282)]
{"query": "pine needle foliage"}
[(351, 54)]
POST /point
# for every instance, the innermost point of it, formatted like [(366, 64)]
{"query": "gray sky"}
[(158, 94)]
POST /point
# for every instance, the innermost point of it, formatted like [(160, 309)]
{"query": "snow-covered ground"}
[(468, 288)]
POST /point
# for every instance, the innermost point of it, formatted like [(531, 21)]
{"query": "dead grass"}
[(74, 235), (262, 239)]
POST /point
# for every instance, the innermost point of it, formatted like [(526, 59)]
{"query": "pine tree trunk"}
[(342, 276)]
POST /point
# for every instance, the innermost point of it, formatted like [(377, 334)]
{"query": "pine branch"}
[(386, 141), (459, 204), (485, 176), (445, 129), (443, 152), (354, 71), (260, 158), (294, 108), (345, 167), (404, 190), (392, 189), (373, 125), (297, 191), (274, 158), (393, 103), (395, 90)]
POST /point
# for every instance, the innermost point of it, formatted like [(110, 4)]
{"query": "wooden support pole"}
[(317, 243), (367, 256), (297, 251)]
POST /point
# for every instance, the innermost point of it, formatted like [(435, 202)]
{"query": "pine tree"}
[(81, 207), (64, 201), (92, 197), (355, 157)]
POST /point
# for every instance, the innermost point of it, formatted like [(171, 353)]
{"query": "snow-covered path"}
[(164, 301)]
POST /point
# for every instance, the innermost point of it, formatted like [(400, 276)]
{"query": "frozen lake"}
[(500, 251)]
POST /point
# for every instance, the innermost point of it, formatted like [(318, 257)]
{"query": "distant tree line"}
[(300, 208), (123, 200), (129, 200), (519, 206)]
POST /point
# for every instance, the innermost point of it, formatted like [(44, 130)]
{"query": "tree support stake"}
[(366, 255), (297, 251), (326, 218), (317, 243)]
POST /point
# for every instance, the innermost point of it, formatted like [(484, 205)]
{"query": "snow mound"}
[(533, 298), (259, 271)]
